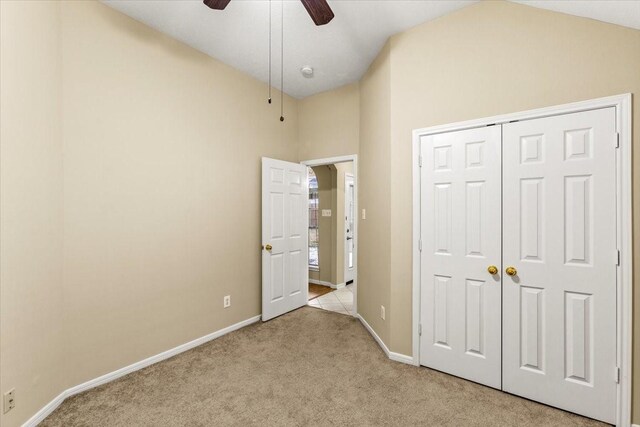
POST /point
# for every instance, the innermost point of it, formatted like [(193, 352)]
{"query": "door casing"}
[(622, 104)]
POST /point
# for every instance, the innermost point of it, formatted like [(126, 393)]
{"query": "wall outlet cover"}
[(9, 400), (226, 301)]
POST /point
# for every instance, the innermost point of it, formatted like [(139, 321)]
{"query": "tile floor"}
[(340, 300)]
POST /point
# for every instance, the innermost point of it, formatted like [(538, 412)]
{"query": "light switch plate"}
[(326, 212)]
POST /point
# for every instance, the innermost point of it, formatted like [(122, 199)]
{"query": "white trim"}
[(402, 358), (342, 159), (314, 268), (417, 233), (321, 282), (328, 284), (46, 410), (51, 406), (622, 104), (624, 195), (396, 357), (375, 336)]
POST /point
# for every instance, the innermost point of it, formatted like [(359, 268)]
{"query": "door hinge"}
[(617, 142), (618, 256), (420, 329), (420, 245), (420, 160), (617, 375)]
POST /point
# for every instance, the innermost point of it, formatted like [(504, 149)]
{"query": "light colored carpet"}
[(308, 367)]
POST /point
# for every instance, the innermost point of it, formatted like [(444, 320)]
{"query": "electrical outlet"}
[(9, 400), (226, 302), (382, 312)]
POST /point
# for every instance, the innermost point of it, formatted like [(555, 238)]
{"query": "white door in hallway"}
[(285, 224), (349, 206), (461, 238), (559, 308)]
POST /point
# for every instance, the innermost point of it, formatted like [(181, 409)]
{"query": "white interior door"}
[(461, 233), (560, 235), (349, 193), (285, 224)]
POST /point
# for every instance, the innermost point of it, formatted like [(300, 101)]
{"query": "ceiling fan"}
[(319, 10)]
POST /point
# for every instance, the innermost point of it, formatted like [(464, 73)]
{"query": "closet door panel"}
[(460, 196), (559, 309)]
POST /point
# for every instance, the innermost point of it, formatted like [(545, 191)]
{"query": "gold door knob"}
[(268, 247), (492, 269), (511, 271)]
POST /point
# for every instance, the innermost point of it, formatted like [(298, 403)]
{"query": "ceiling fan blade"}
[(319, 11), (216, 4)]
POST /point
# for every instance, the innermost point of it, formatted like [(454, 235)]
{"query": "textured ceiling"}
[(339, 52)]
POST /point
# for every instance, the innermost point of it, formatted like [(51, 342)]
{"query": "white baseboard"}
[(375, 336), (51, 406), (403, 358), (46, 410), (397, 357), (320, 282), (329, 284)]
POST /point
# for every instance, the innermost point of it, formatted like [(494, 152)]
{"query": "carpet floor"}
[(308, 367)]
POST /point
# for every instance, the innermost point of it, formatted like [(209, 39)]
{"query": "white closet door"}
[(461, 300), (560, 235)]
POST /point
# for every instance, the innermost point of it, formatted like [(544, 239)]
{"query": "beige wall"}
[(498, 58), (487, 59), (329, 123), (329, 126), (31, 300), (374, 186), (326, 176), (161, 188), (159, 165)]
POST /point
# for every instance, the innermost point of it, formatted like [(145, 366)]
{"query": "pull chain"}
[(269, 51), (282, 60)]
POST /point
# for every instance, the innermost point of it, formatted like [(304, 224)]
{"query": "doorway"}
[(332, 239)]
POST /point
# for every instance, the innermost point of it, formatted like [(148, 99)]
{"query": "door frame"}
[(343, 159), (624, 287), (348, 176)]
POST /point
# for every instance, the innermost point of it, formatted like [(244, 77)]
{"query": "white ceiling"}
[(339, 52)]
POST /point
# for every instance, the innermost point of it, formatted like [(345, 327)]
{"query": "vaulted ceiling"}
[(339, 52)]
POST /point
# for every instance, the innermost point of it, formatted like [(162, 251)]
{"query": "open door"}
[(349, 226), (285, 225)]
